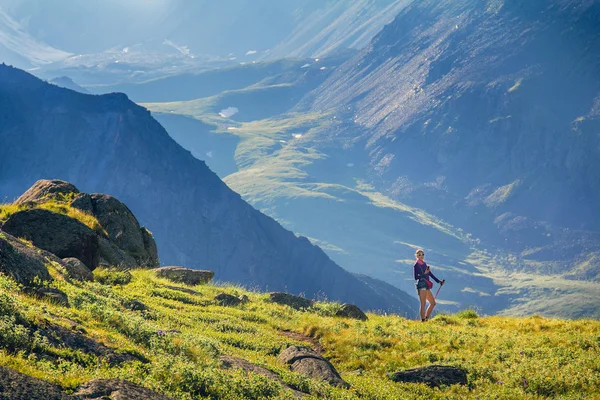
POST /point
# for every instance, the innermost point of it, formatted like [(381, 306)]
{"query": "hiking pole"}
[(443, 281)]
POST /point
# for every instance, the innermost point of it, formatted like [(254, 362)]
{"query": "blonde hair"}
[(419, 250)]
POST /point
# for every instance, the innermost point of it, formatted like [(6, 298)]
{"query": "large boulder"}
[(112, 256), (53, 295), (351, 311), (21, 262), (17, 386), (57, 233), (122, 227), (434, 375), (117, 389), (306, 361), (185, 275), (77, 270), (287, 299), (45, 190)]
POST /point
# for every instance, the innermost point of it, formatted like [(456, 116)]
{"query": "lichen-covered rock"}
[(116, 389), (123, 228), (185, 275), (54, 295), (45, 190), (23, 263), (17, 386), (434, 375), (306, 361), (291, 300), (57, 233), (225, 299), (77, 270), (351, 311)]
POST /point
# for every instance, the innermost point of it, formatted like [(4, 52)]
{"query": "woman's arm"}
[(433, 276)]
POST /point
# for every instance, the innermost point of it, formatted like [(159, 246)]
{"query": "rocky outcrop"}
[(122, 227), (57, 233), (291, 300), (17, 386), (117, 389), (185, 275), (240, 363), (434, 375), (77, 270), (21, 262), (46, 190), (112, 256), (306, 361), (53, 295), (351, 311)]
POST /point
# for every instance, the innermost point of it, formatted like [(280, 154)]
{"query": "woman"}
[(424, 285)]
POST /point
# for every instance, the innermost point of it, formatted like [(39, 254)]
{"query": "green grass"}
[(183, 334), (56, 205)]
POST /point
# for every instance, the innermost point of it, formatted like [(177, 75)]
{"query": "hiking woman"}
[(424, 285)]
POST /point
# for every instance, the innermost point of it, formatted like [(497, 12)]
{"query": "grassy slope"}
[(364, 231), (556, 357)]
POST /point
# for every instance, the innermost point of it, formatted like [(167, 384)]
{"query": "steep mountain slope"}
[(109, 144), (496, 100)]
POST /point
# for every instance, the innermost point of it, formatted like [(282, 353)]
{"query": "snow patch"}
[(209, 154), (350, 165), (228, 112), (250, 52), (305, 66), (297, 135)]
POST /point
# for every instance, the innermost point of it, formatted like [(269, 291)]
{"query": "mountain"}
[(466, 128), (108, 144), (67, 83), (497, 100)]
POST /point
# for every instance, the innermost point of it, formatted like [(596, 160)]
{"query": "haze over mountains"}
[(145, 37), (107, 143)]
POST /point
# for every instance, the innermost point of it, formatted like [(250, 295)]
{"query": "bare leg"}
[(423, 299), (431, 300)]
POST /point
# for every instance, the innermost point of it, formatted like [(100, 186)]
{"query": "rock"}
[(117, 389), (57, 233), (77, 270), (306, 361), (61, 337), (45, 190), (185, 275), (243, 299), (112, 256), (240, 363), (151, 249), (434, 375), (287, 299), (54, 295), (351, 311), (83, 202), (22, 263), (136, 305), (123, 229), (225, 299), (17, 386)]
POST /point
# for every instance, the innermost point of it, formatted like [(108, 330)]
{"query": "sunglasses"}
[(420, 254)]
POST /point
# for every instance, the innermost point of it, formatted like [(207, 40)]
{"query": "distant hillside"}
[(108, 144)]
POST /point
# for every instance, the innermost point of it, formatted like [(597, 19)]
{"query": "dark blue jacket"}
[(420, 272)]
